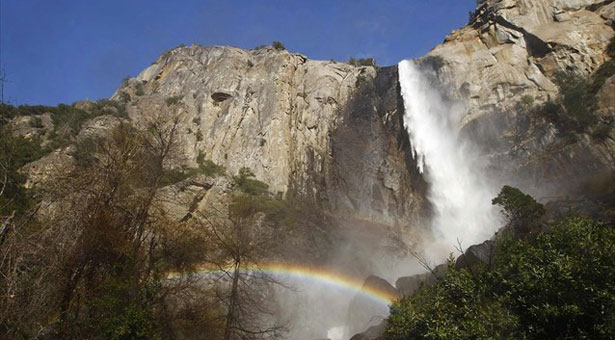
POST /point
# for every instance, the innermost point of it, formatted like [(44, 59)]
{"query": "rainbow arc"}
[(310, 274)]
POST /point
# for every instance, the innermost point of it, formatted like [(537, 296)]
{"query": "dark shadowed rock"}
[(477, 254), (409, 285), (220, 96), (372, 333), (365, 312)]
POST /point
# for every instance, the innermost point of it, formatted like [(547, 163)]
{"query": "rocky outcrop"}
[(31, 126), (478, 254), (408, 285), (326, 130), (511, 50), (372, 333), (373, 175), (256, 108), (363, 312)]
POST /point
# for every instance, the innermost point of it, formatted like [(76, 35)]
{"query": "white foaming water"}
[(337, 333), (458, 189)]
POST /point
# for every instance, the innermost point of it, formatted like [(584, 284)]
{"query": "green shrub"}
[(362, 61), (521, 210), (125, 96), (578, 103), (278, 45), (125, 80), (602, 132), (36, 123), (574, 111), (172, 176), (526, 103), (72, 119), (120, 310), (360, 80), (139, 88), (67, 119), (84, 151), (561, 284), (15, 152), (456, 307), (208, 167), (8, 112), (558, 285), (604, 72), (246, 182), (173, 100), (108, 107), (166, 52), (205, 167), (610, 48)]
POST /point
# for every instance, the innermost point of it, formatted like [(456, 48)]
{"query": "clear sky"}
[(62, 51)]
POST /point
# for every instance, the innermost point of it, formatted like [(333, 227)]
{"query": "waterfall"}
[(458, 188)]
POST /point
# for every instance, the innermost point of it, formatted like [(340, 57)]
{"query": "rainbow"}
[(310, 274)]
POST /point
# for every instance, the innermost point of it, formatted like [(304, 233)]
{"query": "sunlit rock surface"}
[(512, 49), (321, 129)]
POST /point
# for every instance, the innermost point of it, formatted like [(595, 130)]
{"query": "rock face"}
[(31, 126), (408, 285), (478, 254), (333, 132), (363, 312), (512, 49), (326, 130)]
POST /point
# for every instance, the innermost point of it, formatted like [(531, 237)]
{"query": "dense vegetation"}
[(93, 253), (574, 113), (553, 285), (67, 120), (362, 61), (15, 152), (521, 210)]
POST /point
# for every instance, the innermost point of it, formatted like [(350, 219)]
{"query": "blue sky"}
[(62, 51)]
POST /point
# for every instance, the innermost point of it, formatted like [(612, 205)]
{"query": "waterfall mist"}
[(459, 191)]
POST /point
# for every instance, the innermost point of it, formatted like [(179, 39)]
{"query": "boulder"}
[(364, 312), (409, 285), (478, 254)]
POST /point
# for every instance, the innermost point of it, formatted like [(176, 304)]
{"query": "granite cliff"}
[(514, 49), (332, 133), (326, 130)]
